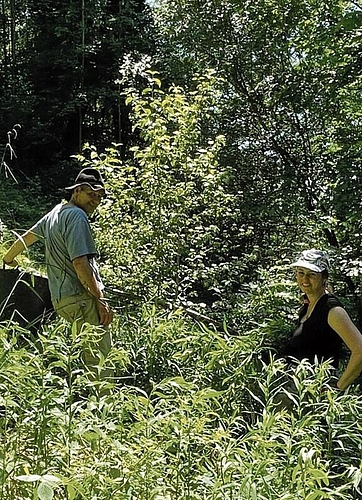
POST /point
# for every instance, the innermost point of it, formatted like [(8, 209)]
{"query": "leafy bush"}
[(167, 217)]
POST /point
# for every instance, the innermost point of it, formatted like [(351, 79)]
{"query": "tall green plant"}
[(164, 219)]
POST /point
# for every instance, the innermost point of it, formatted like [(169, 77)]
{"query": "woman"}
[(323, 323)]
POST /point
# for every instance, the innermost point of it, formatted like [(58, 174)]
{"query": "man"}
[(75, 285)]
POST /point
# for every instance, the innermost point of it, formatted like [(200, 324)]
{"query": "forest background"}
[(229, 135)]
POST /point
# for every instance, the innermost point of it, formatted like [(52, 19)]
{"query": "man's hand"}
[(105, 312)]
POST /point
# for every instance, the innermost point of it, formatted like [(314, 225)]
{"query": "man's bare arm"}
[(86, 277), (19, 246)]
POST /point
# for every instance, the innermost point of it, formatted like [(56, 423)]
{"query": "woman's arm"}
[(341, 323)]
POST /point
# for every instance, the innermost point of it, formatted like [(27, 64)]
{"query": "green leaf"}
[(45, 491), (71, 492), (208, 394), (254, 493), (51, 478), (295, 473), (319, 475), (315, 495), (179, 383), (29, 478)]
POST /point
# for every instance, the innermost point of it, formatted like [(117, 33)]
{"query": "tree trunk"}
[(5, 56)]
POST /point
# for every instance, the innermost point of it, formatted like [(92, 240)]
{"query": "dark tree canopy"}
[(59, 75)]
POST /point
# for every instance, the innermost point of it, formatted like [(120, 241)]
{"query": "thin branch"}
[(202, 318)]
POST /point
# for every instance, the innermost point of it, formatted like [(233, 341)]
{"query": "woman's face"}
[(310, 282)]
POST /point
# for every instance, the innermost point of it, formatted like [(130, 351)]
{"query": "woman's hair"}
[(327, 285)]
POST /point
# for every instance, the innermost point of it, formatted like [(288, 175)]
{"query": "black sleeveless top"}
[(316, 338)]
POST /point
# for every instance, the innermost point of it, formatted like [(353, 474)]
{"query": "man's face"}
[(87, 199)]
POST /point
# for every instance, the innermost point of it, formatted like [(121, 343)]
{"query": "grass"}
[(193, 415)]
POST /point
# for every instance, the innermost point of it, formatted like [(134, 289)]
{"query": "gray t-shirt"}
[(66, 233)]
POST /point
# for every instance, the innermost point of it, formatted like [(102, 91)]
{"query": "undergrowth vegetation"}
[(192, 414)]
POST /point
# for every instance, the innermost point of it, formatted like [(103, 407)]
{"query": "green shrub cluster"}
[(193, 414)]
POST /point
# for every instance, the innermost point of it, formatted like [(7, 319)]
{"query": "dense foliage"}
[(242, 149), (290, 114)]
